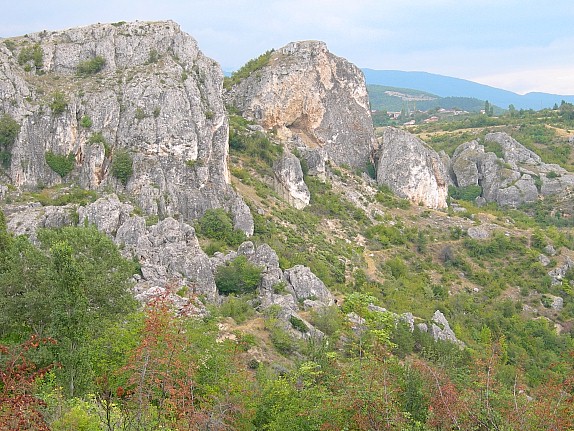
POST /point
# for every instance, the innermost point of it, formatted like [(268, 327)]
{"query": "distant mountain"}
[(385, 98), (446, 86)]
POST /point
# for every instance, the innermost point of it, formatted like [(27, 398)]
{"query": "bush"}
[(122, 166), (238, 276), (216, 224), (467, 193), (237, 308), (58, 103), (9, 129), (298, 324), (86, 122), (247, 69), (32, 54), (59, 163), (91, 66)]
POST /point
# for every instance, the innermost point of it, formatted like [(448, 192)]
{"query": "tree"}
[(69, 317), (512, 110), (238, 276), (122, 166)]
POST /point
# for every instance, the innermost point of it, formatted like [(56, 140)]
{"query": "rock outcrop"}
[(98, 92), (411, 169), (310, 96), (289, 181), (518, 176)]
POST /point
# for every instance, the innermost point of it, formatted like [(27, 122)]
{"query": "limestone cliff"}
[(141, 88), (310, 96), (411, 169)]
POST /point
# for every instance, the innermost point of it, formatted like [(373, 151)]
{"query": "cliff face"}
[(411, 169), (310, 96), (97, 91)]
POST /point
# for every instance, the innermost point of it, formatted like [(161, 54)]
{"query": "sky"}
[(516, 45)]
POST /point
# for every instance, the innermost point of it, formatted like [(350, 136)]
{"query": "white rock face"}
[(308, 95), (411, 169), (157, 97), (289, 181)]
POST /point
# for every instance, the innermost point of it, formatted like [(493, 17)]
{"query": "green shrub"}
[(467, 193), (122, 166), (237, 308), (32, 54), (247, 69), (216, 224), (281, 339), (238, 276), (91, 66), (86, 122), (59, 163), (552, 174), (59, 103), (153, 56), (97, 138), (140, 114), (386, 197), (298, 324), (9, 129)]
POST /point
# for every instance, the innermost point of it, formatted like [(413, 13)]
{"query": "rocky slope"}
[(518, 176), (312, 98), (142, 88)]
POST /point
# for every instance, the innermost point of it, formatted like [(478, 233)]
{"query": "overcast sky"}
[(518, 45)]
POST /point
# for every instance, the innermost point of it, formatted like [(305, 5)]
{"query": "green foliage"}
[(122, 166), (140, 114), (59, 163), (255, 145), (31, 54), (246, 70), (91, 66), (468, 193), (153, 56), (238, 308), (216, 224), (59, 103), (72, 195), (386, 197), (237, 277), (298, 324), (9, 129), (387, 236), (327, 204), (86, 122)]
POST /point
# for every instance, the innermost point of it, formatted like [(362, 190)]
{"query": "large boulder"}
[(411, 169), (309, 95)]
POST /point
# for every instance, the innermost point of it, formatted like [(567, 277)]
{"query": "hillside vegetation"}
[(458, 319)]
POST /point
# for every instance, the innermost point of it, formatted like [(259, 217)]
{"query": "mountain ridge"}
[(446, 86)]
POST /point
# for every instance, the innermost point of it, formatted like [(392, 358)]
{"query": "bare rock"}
[(440, 329), (307, 285), (411, 169), (307, 93), (157, 97), (289, 181), (107, 214), (478, 232)]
